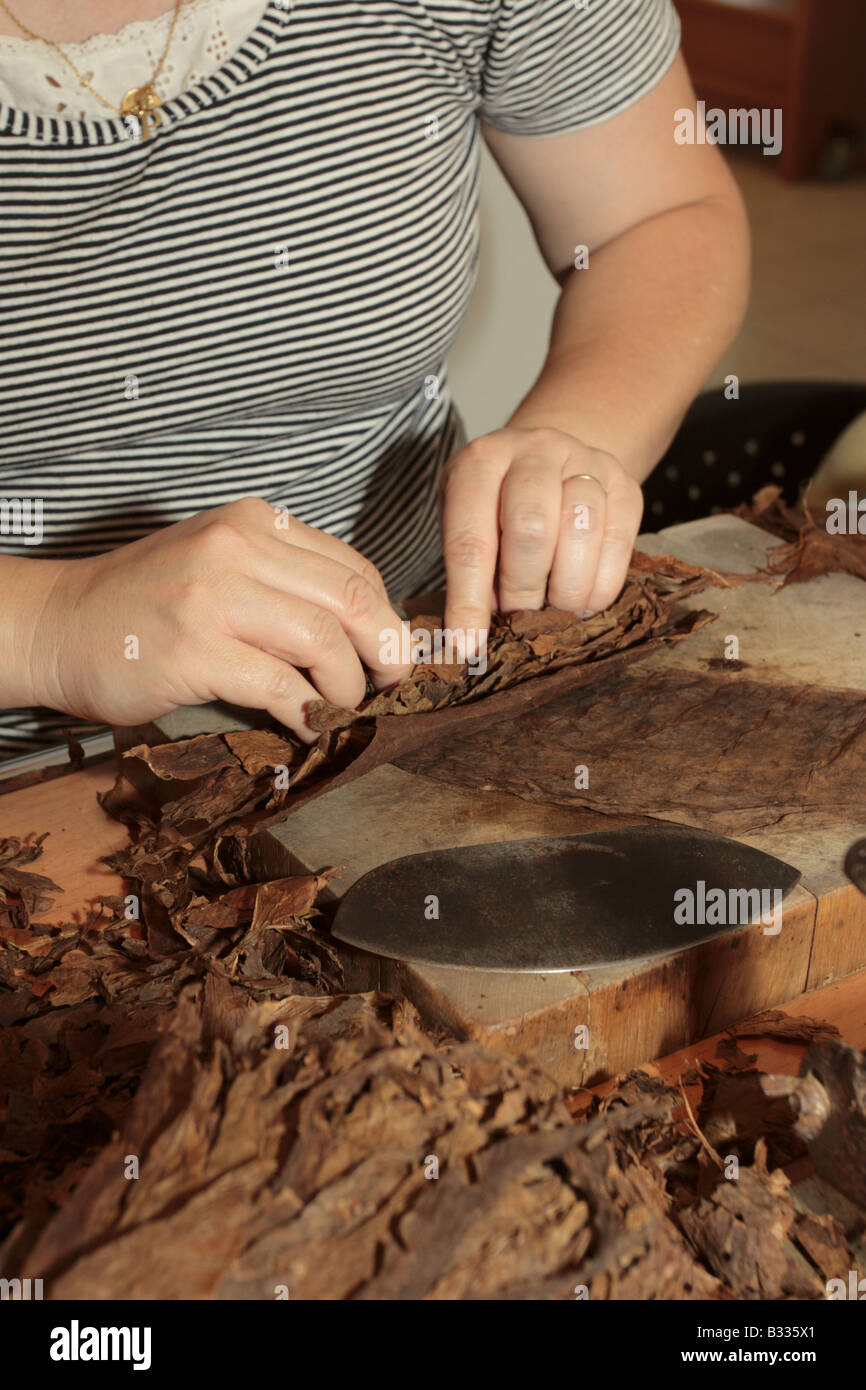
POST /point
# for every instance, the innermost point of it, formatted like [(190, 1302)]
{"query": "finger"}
[(254, 518), (623, 513), (470, 537), (529, 520), (572, 576), (363, 612), (302, 633), (293, 532), (245, 676)]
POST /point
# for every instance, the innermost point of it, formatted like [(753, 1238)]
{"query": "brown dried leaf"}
[(809, 550), (777, 1024)]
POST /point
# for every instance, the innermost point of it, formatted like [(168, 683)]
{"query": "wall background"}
[(808, 312)]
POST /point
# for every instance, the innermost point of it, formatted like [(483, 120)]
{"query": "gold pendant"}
[(143, 103)]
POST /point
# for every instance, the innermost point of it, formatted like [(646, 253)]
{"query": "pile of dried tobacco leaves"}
[(212, 1124), (192, 1107), (809, 549)]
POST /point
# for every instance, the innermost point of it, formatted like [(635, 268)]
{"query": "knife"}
[(571, 902)]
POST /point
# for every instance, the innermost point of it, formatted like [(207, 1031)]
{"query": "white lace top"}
[(35, 78)]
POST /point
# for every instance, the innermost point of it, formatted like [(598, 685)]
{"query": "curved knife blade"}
[(574, 902)]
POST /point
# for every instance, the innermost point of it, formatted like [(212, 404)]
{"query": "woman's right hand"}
[(242, 603)]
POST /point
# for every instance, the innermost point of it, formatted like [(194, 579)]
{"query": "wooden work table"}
[(80, 832), (811, 634)]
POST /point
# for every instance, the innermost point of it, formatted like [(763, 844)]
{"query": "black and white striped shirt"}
[(260, 299)]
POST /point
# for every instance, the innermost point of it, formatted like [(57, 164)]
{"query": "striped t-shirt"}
[(260, 299)]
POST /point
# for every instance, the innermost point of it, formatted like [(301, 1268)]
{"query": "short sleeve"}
[(558, 65)]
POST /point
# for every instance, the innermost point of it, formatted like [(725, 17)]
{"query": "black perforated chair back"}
[(777, 432)]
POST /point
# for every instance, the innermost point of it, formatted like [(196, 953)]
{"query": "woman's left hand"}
[(529, 514)]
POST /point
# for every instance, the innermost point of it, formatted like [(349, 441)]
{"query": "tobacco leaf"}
[(729, 1049), (74, 749), (776, 1024), (89, 1001), (308, 1168), (756, 757), (201, 757), (745, 1233), (810, 550), (329, 1148), (735, 1114), (531, 643), (22, 892), (259, 750), (823, 1242), (280, 901)]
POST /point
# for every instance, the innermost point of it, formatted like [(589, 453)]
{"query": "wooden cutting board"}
[(812, 634)]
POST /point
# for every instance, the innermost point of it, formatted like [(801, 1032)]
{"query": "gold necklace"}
[(141, 102)]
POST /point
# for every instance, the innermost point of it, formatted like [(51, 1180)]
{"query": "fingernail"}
[(590, 613)]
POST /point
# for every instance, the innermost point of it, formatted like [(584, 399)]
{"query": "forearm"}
[(25, 585), (637, 333)]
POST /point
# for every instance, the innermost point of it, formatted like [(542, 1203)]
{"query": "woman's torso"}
[(260, 298)]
